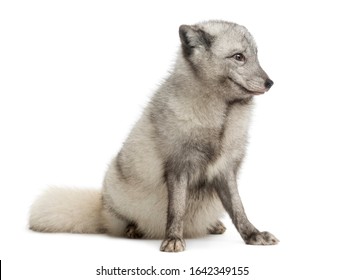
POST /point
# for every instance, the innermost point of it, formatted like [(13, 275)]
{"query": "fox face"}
[(224, 53)]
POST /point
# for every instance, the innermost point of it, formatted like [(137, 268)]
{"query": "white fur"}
[(67, 210)]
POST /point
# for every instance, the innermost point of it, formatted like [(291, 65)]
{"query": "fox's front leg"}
[(177, 192), (226, 188)]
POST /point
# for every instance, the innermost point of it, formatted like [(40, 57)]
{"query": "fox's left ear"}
[(192, 36)]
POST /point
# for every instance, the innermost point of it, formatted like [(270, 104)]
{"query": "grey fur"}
[(176, 172)]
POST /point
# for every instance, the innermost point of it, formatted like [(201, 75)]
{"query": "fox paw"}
[(262, 238), (173, 245), (133, 232), (218, 228)]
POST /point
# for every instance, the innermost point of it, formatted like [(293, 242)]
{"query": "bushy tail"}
[(67, 210)]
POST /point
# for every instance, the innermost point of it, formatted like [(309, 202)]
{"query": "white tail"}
[(67, 210)]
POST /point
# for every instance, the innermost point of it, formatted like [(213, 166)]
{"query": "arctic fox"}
[(176, 173)]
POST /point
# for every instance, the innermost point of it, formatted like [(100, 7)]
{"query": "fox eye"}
[(239, 57)]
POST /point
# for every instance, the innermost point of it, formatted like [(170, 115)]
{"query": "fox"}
[(175, 176)]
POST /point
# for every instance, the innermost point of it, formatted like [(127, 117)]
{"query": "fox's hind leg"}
[(133, 232), (217, 228)]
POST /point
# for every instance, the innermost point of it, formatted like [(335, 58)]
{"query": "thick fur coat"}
[(175, 175)]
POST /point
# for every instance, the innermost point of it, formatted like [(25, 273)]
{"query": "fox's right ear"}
[(192, 36)]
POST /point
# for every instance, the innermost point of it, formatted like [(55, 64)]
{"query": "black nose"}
[(268, 83)]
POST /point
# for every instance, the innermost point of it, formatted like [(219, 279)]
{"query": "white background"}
[(74, 77)]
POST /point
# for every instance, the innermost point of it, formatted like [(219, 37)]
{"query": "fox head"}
[(224, 53)]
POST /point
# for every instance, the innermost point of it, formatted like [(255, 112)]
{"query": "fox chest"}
[(204, 151), (232, 142)]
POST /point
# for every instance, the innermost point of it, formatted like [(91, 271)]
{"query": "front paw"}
[(262, 238), (173, 244)]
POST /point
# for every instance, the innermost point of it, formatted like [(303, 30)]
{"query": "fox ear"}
[(192, 36)]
